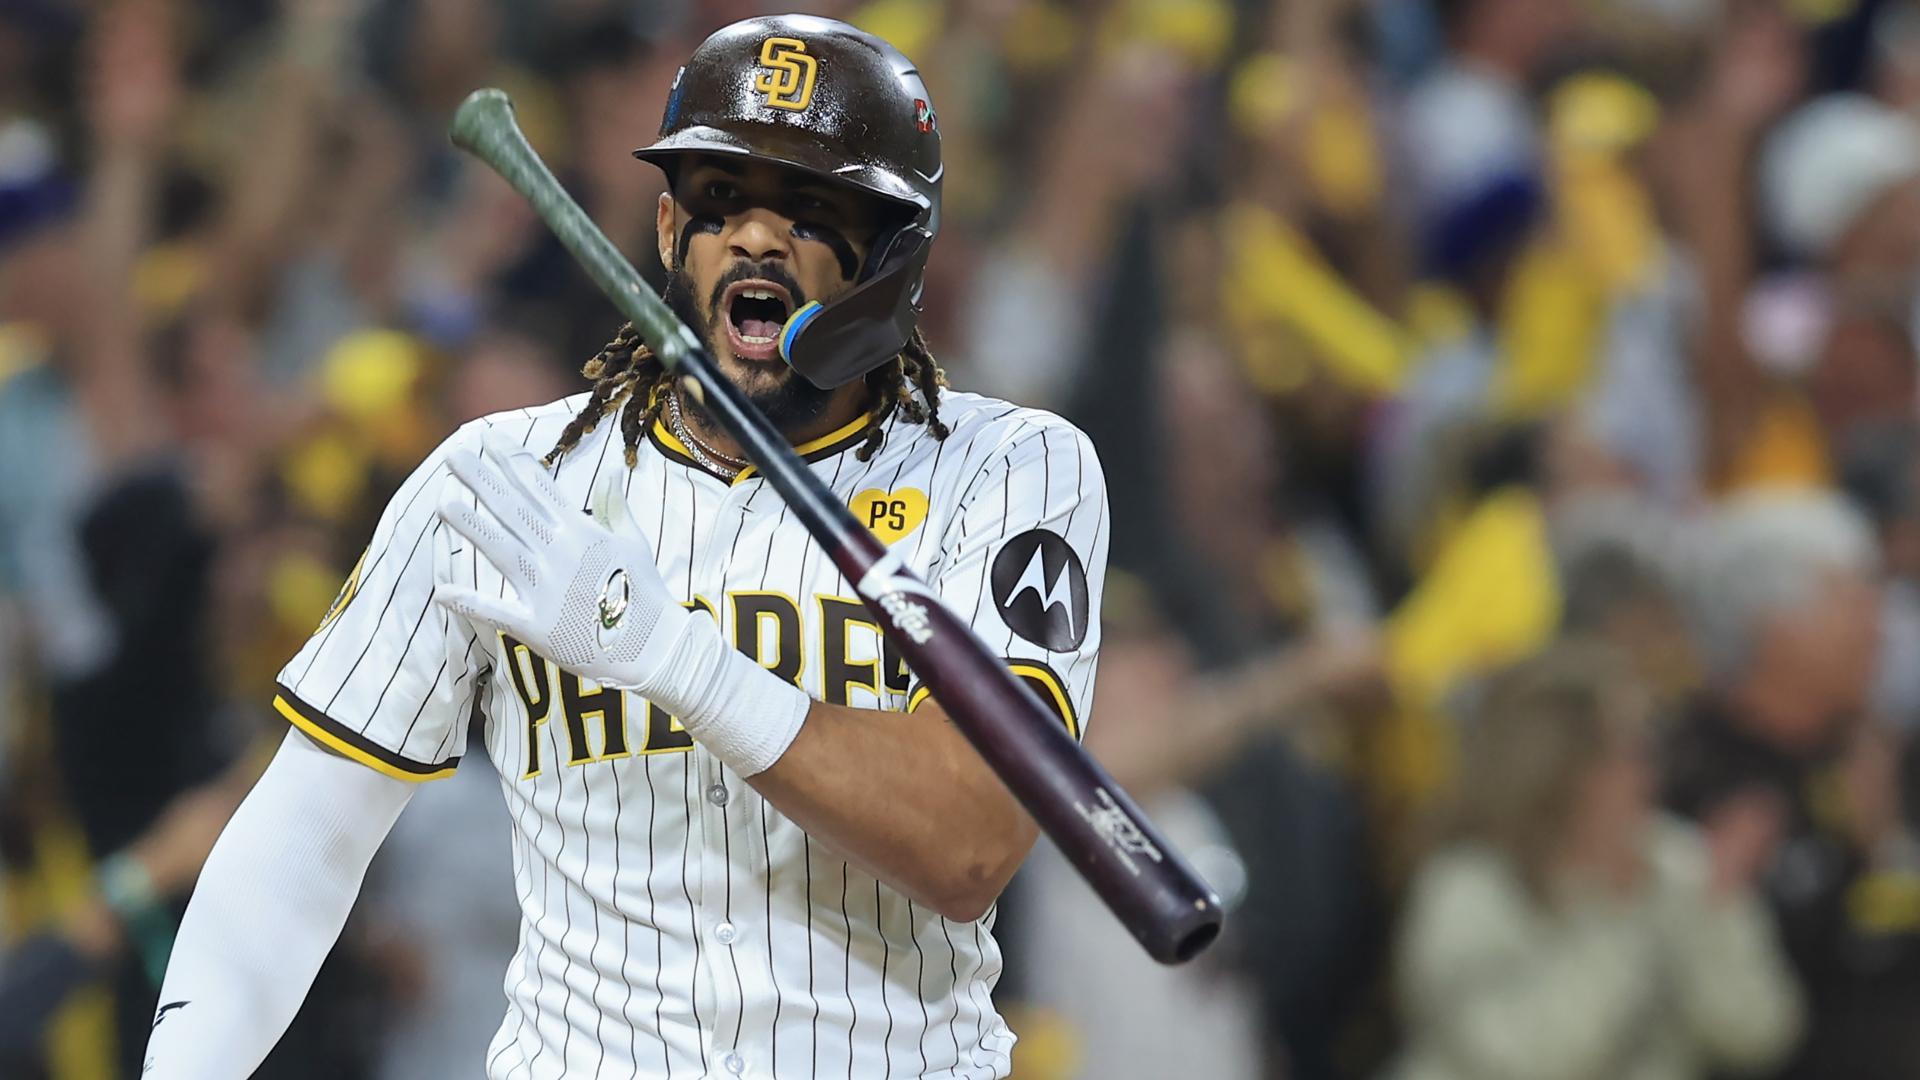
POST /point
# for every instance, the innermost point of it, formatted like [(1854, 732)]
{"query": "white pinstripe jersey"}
[(674, 924)]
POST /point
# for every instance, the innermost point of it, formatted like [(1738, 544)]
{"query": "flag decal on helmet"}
[(787, 75), (922, 115)]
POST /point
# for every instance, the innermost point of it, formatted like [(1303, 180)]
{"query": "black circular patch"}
[(1041, 590)]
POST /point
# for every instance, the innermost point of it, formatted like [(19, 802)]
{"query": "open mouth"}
[(756, 311)]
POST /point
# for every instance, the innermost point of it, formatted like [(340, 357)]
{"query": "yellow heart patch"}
[(890, 515)]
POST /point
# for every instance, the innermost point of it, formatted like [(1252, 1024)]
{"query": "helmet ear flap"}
[(833, 344), (889, 246)]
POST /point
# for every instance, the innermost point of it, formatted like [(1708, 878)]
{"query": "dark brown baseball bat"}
[(1146, 883)]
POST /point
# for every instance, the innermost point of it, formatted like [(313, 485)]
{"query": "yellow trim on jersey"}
[(841, 438), (1032, 672), (668, 441), (337, 741), (1035, 672), (847, 434)]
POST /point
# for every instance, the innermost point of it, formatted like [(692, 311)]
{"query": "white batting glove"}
[(589, 597)]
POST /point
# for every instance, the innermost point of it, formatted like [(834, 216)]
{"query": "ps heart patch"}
[(890, 515)]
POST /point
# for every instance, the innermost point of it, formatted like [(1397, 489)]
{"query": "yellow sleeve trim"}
[(1041, 679), (1051, 691), (355, 747)]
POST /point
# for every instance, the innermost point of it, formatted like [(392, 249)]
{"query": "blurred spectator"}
[(1297, 894), (1883, 477), (125, 915), (134, 427), (1566, 930), (1841, 182), (1098, 1005), (1472, 139), (1784, 595), (1619, 561), (445, 915)]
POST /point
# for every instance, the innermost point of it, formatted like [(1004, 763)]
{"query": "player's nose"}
[(761, 234)]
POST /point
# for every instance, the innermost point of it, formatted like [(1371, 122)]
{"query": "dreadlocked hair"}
[(893, 384), (629, 381)]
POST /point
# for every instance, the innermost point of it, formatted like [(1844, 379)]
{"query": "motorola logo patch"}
[(1041, 590)]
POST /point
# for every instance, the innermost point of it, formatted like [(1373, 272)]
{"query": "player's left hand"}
[(587, 593)]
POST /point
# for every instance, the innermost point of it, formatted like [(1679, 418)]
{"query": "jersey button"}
[(717, 794), (735, 1064), (725, 934)]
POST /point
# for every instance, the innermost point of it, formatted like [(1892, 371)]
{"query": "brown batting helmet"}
[(822, 96)]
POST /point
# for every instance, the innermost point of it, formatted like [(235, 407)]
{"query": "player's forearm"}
[(906, 796), (270, 904)]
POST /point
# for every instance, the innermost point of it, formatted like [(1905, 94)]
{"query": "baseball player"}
[(746, 842)]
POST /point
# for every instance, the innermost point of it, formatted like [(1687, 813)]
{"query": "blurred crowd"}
[(1513, 424)]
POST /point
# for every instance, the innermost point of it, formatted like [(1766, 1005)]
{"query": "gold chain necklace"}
[(706, 455)]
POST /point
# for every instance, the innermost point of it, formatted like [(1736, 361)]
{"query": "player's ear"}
[(663, 225)]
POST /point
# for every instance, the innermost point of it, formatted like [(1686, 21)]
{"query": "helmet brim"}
[(794, 149)]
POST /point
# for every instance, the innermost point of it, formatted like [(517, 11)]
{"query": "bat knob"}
[(486, 110)]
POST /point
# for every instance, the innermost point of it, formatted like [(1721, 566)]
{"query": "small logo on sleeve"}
[(1041, 590), (344, 596)]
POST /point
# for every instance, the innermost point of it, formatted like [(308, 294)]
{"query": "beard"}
[(788, 401)]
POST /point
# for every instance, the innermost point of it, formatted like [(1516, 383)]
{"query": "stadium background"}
[(1415, 337)]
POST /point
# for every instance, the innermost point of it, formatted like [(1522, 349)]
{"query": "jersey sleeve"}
[(1024, 560), (389, 677)]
